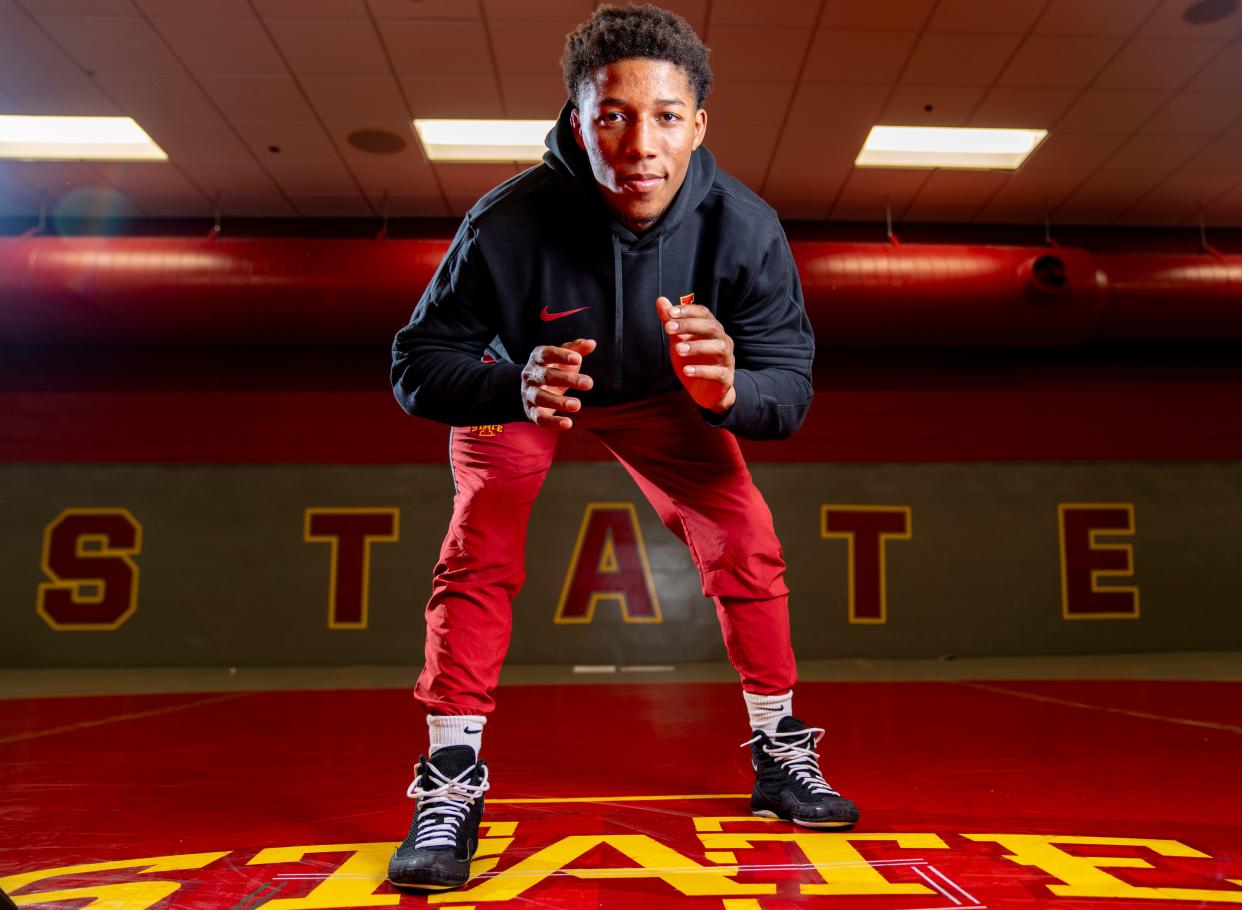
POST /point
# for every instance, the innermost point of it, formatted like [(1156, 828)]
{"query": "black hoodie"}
[(544, 243)]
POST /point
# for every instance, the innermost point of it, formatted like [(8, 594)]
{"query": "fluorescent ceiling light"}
[(483, 140), (76, 139), (940, 146)]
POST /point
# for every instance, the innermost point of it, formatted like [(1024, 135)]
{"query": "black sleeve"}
[(437, 370), (773, 346)]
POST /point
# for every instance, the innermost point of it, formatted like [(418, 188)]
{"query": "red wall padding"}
[(335, 406)]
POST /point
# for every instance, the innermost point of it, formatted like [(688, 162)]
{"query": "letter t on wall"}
[(350, 532), (867, 530)]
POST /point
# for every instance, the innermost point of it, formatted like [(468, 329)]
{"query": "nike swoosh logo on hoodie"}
[(548, 317)]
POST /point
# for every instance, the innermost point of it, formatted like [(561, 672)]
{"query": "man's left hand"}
[(702, 354)]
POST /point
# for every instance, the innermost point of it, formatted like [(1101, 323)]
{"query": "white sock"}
[(456, 730), (766, 711)]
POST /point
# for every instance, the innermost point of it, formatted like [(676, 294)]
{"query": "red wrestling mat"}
[(1067, 795)]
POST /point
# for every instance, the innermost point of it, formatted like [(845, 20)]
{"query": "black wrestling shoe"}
[(788, 782), (436, 854)]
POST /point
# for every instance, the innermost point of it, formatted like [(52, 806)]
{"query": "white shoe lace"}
[(798, 756), (445, 805)]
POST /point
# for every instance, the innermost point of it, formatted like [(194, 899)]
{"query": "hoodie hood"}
[(571, 164)]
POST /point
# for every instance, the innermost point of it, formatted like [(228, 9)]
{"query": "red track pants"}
[(697, 481)]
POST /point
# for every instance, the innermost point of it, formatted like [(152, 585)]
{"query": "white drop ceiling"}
[(1144, 110)]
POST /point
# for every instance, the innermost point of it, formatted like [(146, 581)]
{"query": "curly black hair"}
[(624, 32)]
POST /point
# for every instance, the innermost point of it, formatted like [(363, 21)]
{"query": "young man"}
[(627, 214)]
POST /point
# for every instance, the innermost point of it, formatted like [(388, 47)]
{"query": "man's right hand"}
[(549, 373)]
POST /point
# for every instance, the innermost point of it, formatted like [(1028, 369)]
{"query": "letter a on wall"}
[(350, 532), (87, 554), (1085, 560), (609, 564)]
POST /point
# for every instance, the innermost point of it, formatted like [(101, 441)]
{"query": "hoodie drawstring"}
[(618, 309)]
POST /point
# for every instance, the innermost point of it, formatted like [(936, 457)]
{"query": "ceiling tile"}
[(821, 145), (1093, 17), (1220, 156), (355, 99), (797, 13), (296, 141), (437, 49), (461, 181), (693, 11), (534, 97), (892, 14), (198, 141), (798, 207), (757, 52), (1045, 61), (24, 47), (311, 9), (811, 181), (959, 59), (1012, 17), (404, 172), (229, 178), (857, 56), (1108, 111), (165, 204), (1153, 151), (1178, 198), (79, 7), (1105, 195), (114, 45), (338, 205), (1197, 113), (1024, 195), (1074, 151), (863, 196), (96, 203), (751, 175), (423, 205), (258, 98), (1226, 209), (270, 204), (148, 176), (171, 97), (424, 9), (218, 45), (330, 47), (748, 101), (950, 105), (738, 145), (453, 96), (63, 93), (1146, 63), (197, 9), (312, 178), (837, 104), (1033, 108), (953, 196), (562, 12), (56, 176), (1167, 22), (1222, 74), (526, 49)]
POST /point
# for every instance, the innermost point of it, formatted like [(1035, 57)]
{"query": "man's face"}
[(637, 122)]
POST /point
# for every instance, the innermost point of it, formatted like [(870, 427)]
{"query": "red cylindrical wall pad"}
[(158, 290)]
